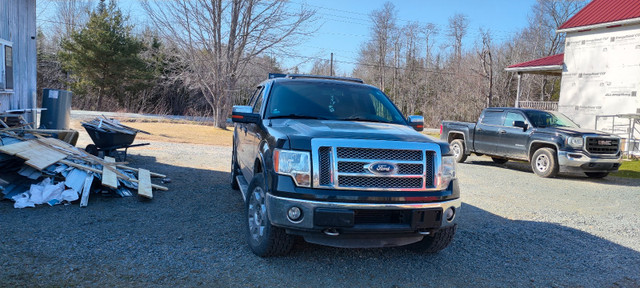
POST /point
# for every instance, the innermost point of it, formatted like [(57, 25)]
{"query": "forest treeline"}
[(200, 57)]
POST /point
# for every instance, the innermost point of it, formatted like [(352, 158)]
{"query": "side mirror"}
[(417, 122), (244, 114), (520, 124)]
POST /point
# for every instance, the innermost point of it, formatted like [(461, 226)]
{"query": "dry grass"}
[(171, 132)]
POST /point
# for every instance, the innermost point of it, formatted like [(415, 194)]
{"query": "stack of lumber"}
[(30, 159), (105, 124)]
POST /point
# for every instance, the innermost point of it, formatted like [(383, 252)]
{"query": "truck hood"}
[(573, 131), (301, 131)]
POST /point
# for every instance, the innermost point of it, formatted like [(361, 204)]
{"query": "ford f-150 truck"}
[(549, 140), (331, 159)]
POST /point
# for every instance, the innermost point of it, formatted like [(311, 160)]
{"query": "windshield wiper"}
[(297, 116), (363, 119)]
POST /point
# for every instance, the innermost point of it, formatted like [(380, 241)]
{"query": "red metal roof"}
[(603, 11), (546, 61)]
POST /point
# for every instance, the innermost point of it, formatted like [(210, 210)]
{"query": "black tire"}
[(235, 170), (264, 239), (596, 174), (545, 163), (499, 160), (92, 149), (457, 148), (435, 242)]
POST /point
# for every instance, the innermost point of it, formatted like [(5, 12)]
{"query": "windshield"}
[(542, 119), (331, 101)]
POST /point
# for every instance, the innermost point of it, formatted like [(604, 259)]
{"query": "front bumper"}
[(408, 222), (581, 162)]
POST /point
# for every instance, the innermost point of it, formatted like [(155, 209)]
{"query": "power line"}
[(284, 54)]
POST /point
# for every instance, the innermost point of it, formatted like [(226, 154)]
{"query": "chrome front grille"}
[(601, 145), (347, 164), (379, 182), (381, 154), (325, 165)]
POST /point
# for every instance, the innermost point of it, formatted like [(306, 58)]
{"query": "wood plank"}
[(153, 174), (16, 148), (91, 169), (86, 190), (40, 157), (3, 124), (144, 184), (109, 178)]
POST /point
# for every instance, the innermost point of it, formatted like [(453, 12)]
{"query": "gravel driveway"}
[(516, 229)]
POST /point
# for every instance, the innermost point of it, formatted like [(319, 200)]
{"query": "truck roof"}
[(321, 77)]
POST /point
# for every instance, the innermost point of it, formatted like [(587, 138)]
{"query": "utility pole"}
[(331, 66)]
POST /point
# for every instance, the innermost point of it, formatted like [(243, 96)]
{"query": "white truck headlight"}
[(446, 173), (296, 164), (575, 142)]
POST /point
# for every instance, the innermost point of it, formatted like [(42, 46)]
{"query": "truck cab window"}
[(511, 117), (257, 106), (492, 118)]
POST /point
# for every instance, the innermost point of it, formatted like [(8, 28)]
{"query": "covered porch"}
[(550, 65)]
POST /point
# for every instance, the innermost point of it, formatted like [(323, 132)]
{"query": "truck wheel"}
[(545, 163), (234, 170), (264, 239), (435, 242), (596, 174), (457, 147), (499, 160)]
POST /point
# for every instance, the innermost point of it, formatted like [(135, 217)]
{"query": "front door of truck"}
[(513, 141), (246, 146)]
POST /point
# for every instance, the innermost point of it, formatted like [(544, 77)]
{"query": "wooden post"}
[(331, 67), (518, 91)]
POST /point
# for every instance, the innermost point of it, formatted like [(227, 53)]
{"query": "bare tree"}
[(486, 64), (384, 26), (322, 67), (217, 39), (72, 16), (457, 29)]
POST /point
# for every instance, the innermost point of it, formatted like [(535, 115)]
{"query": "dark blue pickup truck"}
[(550, 141), (333, 161)]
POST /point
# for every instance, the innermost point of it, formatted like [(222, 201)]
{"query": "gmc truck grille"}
[(601, 145), (374, 165)]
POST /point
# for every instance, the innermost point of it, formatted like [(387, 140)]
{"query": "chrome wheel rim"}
[(456, 149), (542, 163), (257, 214)]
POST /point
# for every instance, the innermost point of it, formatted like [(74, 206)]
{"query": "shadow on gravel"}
[(488, 251), (525, 167), (193, 235)]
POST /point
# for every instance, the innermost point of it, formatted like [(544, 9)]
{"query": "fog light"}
[(294, 213), (449, 214)]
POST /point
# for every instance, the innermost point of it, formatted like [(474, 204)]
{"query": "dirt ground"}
[(175, 132)]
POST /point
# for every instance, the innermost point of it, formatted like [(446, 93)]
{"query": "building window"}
[(6, 66)]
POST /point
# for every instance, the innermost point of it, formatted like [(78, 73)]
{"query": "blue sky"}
[(345, 24)]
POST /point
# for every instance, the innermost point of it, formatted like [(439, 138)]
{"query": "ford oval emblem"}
[(383, 168)]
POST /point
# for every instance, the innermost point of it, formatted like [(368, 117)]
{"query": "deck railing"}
[(541, 105)]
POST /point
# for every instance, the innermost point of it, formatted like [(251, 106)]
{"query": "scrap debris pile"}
[(36, 170)]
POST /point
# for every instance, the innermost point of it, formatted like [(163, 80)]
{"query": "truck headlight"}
[(446, 173), (575, 142), (295, 164)]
